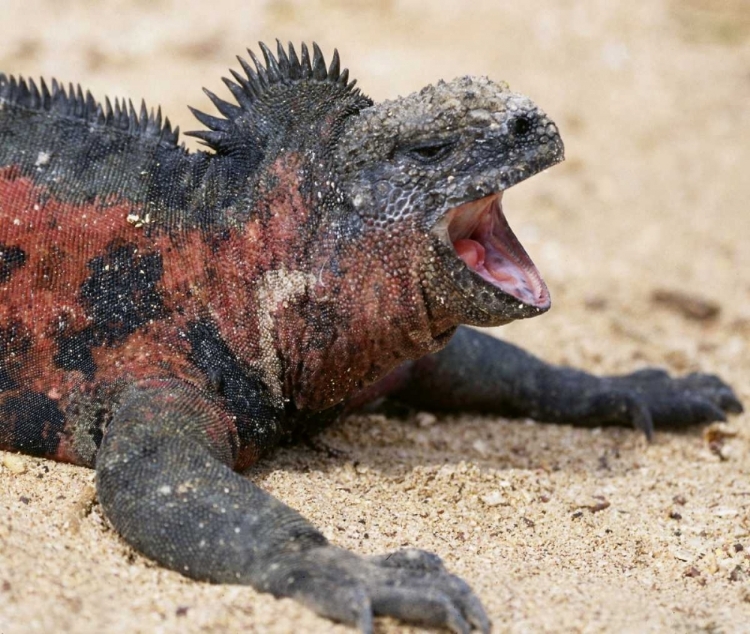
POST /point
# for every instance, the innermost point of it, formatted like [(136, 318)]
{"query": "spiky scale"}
[(213, 123), (59, 99), (99, 116), (157, 119), (211, 137), (283, 59), (250, 82), (319, 71), (272, 67), (46, 97), (153, 129), (305, 66), (17, 89), (78, 101), (14, 91), (241, 91), (121, 116), (116, 113), (143, 121), (334, 68), (26, 93), (125, 108), (109, 113), (260, 71), (295, 68), (247, 88), (230, 111), (34, 96), (64, 103), (91, 105), (133, 123)]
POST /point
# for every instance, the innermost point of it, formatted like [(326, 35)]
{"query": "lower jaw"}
[(465, 298)]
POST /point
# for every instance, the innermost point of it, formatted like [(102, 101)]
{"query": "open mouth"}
[(482, 238)]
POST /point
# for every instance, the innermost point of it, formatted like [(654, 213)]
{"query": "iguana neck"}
[(360, 322), (304, 302)]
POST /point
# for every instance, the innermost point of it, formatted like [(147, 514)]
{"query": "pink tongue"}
[(471, 252)]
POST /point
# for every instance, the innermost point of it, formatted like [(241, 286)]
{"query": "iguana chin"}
[(169, 317)]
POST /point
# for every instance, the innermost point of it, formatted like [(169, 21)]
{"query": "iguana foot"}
[(652, 397), (412, 585)]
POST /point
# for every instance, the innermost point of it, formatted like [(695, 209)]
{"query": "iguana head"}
[(439, 160)]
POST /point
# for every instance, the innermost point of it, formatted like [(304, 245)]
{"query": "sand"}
[(559, 529)]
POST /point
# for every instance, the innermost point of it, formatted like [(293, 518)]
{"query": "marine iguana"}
[(168, 317)]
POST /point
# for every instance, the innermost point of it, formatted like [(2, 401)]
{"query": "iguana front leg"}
[(478, 372), (165, 482)]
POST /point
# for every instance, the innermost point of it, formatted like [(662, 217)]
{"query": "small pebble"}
[(14, 463), (688, 305)]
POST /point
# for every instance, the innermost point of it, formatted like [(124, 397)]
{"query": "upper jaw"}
[(498, 179)]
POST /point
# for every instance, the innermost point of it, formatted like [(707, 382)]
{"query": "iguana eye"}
[(429, 152)]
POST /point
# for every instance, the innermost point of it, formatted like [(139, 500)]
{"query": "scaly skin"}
[(168, 317)]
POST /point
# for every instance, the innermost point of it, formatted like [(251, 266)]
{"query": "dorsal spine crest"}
[(284, 68), (75, 104)]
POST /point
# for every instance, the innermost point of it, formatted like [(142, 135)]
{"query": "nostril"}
[(521, 125)]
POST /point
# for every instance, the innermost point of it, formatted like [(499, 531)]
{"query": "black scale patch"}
[(15, 342), (31, 422), (120, 295), (245, 394), (12, 258)]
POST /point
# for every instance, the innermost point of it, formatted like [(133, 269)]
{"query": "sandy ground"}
[(557, 528)]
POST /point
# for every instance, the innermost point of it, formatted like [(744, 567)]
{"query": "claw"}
[(410, 584), (729, 402), (638, 413), (365, 621), (426, 607), (411, 558), (705, 412), (642, 420), (690, 409), (446, 600), (693, 399), (456, 622), (475, 614)]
